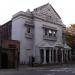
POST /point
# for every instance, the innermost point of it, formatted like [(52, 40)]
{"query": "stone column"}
[(50, 55), (56, 55), (62, 55), (44, 56), (66, 55), (70, 55)]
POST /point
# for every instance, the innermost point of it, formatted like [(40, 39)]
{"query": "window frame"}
[(29, 30), (47, 33)]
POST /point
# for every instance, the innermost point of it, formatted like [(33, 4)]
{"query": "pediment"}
[(47, 10)]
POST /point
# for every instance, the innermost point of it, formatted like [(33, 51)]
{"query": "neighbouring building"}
[(41, 35), (9, 49)]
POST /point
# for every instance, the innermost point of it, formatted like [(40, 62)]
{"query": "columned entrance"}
[(54, 55), (67, 56), (4, 60), (46, 56)]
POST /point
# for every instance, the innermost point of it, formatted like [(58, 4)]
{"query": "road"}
[(40, 71)]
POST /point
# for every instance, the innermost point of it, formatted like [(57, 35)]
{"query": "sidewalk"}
[(27, 67)]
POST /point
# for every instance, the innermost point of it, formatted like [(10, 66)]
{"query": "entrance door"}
[(47, 55), (4, 60)]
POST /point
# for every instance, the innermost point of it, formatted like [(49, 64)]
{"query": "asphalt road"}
[(40, 71)]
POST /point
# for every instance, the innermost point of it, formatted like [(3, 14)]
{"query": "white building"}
[(41, 35)]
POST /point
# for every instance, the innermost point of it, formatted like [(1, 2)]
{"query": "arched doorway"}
[(4, 60)]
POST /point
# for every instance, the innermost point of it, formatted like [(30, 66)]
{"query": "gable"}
[(47, 10)]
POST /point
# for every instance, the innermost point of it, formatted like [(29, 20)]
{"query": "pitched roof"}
[(41, 6), (55, 11), (47, 5)]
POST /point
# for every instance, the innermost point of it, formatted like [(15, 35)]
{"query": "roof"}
[(47, 5), (66, 46), (41, 6), (55, 11), (5, 24)]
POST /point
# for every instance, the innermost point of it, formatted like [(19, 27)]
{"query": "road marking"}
[(73, 72), (51, 74), (56, 70), (62, 69)]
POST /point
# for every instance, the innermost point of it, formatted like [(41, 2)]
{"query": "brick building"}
[(9, 49)]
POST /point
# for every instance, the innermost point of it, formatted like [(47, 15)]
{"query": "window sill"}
[(29, 35), (51, 38)]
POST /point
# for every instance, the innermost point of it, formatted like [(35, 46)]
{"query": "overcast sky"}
[(65, 8)]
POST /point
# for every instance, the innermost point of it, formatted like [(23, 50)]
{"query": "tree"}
[(70, 37)]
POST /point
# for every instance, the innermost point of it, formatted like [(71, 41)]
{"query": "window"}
[(49, 9), (45, 31), (28, 30), (50, 32), (12, 46), (54, 33), (50, 17)]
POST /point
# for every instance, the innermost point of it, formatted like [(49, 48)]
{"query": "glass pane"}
[(28, 29)]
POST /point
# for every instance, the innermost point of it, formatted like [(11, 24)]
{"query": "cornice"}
[(39, 17), (23, 15)]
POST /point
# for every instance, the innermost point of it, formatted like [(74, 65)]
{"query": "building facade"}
[(41, 35), (9, 54), (9, 49)]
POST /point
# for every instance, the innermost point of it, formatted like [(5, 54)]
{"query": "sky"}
[(65, 8)]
